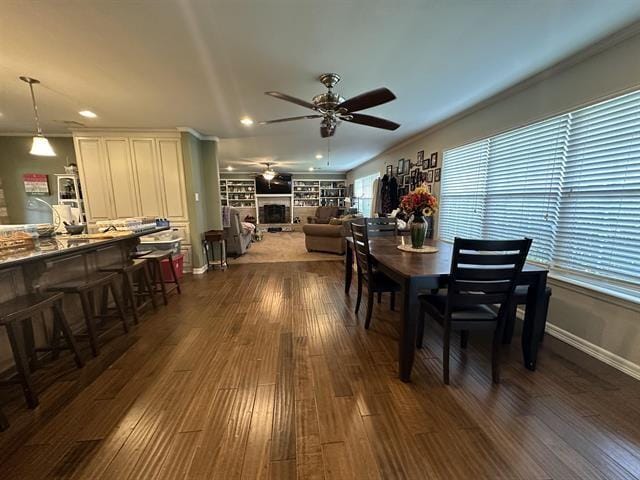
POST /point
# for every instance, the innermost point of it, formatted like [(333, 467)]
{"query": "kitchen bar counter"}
[(56, 260), (62, 245)]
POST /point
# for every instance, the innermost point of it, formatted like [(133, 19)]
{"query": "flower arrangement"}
[(419, 202)]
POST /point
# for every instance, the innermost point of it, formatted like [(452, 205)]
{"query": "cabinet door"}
[(146, 167), (172, 174), (122, 184), (94, 173)]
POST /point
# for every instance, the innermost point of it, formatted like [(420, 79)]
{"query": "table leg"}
[(534, 321), (348, 268), (410, 311)]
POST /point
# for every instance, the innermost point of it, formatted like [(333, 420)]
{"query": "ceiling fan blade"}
[(369, 99), (289, 98), (370, 121), (289, 119)]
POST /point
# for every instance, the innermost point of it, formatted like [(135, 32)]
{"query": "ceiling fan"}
[(331, 107)]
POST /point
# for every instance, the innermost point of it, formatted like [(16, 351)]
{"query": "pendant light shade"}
[(40, 145), (268, 174)]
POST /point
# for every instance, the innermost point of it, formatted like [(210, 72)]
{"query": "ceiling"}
[(205, 64)]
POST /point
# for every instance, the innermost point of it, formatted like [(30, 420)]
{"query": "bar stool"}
[(86, 288), (155, 259), (520, 298), (14, 316), (137, 294), (4, 423)]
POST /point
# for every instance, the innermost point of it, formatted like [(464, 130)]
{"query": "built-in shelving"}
[(333, 193), (306, 193), (241, 193)]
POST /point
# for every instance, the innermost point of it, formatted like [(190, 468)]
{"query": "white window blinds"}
[(599, 227), (572, 183)]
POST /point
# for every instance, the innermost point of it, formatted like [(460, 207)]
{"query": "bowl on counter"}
[(75, 229)]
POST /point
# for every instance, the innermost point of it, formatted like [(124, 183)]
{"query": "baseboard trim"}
[(199, 271), (595, 351)]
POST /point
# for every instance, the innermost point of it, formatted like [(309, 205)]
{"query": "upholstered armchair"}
[(237, 238), (323, 215)]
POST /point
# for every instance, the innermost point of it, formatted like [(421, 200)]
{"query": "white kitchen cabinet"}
[(172, 179), (94, 176), (125, 203), (147, 177)]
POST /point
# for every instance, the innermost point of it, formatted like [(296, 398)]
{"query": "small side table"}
[(212, 237)]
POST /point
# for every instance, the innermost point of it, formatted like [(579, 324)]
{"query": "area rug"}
[(282, 247)]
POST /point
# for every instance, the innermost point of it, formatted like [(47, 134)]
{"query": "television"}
[(280, 185)]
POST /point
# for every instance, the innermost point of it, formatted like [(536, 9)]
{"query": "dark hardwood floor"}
[(263, 371)]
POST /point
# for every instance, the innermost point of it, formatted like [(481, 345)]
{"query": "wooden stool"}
[(138, 294), (211, 237), (85, 289), (15, 316), (155, 259)]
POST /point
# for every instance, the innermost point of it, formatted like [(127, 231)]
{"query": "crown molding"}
[(198, 135), (23, 134)]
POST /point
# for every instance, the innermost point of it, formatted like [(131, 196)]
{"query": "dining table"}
[(416, 273)]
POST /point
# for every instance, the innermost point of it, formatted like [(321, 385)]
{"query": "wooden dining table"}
[(422, 272)]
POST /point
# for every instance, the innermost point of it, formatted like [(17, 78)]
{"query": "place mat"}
[(424, 249)]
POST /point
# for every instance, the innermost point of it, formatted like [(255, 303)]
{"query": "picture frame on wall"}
[(406, 180), (420, 157), (429, 176), (437, 174), (429, 188), (389, 170), (401, 167), (433, 161)]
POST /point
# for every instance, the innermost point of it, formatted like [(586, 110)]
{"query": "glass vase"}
[(418, 231)]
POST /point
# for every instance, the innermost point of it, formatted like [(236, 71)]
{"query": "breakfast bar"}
[(54, 261)]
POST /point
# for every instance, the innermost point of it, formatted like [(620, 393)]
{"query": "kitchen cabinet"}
[(95, 172)]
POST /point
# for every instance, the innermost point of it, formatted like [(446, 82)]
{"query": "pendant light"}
[(40, 145)]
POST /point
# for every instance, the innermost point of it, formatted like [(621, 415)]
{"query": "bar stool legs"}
[(16, 339)]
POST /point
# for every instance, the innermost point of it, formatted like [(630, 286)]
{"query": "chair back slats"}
[(382, 226), (484, 272), (361, 247)]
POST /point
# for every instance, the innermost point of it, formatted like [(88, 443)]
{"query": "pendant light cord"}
[(35, 108)]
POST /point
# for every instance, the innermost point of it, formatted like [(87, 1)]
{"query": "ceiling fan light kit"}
[(40, 146), (332, 108)]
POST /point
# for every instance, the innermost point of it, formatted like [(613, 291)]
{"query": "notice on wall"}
[(36, 183)]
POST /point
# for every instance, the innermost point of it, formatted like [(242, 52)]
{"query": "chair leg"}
[(370, 295), (55, 338), (379, 297), (61, 319), (512, 310), (16, 338), (90, 322), (464, 338), (422, 315), (150, 288), (359, 298), (158, 280), (115, 293), (129, 295), (392, 303), (446, 345), (495, 353), (174, 275), (545, 311), (4, 423)]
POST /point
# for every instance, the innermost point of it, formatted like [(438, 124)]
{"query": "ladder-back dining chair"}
[(483, 276), (381, 226), (377, 282)]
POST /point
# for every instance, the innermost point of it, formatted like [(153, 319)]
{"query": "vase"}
[(418, 231)]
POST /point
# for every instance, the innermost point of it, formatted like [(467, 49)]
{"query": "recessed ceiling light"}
[(87, 114), (229, 168), (319, 156), (311, 169), (246, 121)]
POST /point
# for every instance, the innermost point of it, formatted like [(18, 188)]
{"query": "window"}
[(363, 191), (572, 183)]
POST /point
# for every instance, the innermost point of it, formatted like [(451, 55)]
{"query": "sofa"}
[(323, 215), (238, 239), (328, 238)]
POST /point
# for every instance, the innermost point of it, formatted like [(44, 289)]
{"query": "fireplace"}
[(274, 213)]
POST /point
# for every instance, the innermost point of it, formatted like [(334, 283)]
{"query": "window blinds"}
[(572, 183), (599, 218)]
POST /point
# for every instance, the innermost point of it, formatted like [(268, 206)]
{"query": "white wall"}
[(604, 325)]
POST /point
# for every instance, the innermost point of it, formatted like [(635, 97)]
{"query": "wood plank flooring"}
[(263, 371)]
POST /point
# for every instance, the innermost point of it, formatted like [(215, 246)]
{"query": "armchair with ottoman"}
[(323, 215)]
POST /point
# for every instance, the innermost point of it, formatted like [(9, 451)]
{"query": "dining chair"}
[(377, 282), (482, 277), (381, 227)]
